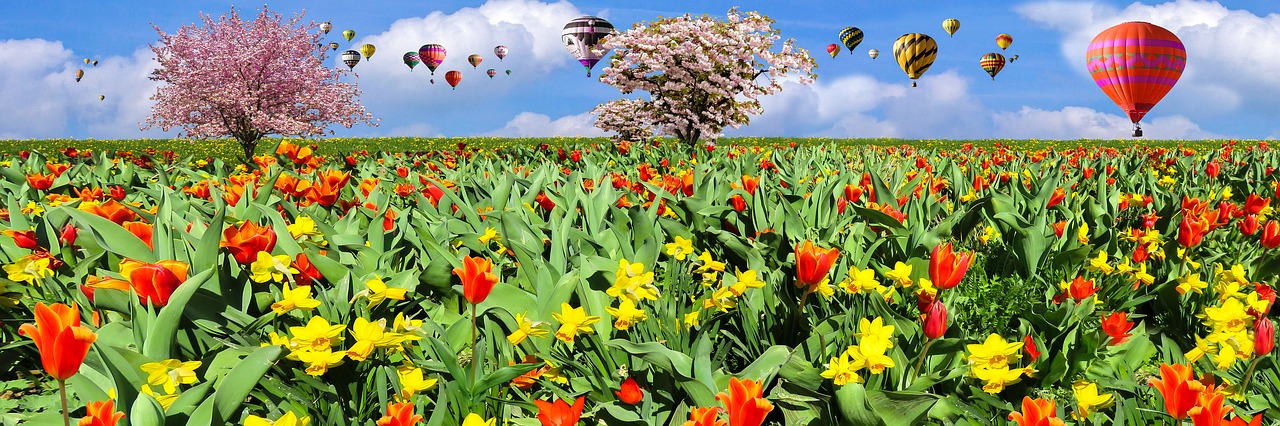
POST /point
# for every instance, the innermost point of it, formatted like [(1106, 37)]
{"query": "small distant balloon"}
[(411, 59), (349, 34), (951, 25), (508, 72), (86, 61), (367, 50), (491, 72), (101, 97), (333, 45), (433, 81), (453, 77), (79, 75), (474, 60), (95, 62), (833, 49), (351, 58), (500, 51), (873, 53), (326, 27), (1013, 58), (1004, 40), (992, 63)]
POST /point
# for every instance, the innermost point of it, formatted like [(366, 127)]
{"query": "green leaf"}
[(113, 237), (146, 411), (235, 386), (851, 401), (502, 376), (901, 408), (160, 337)]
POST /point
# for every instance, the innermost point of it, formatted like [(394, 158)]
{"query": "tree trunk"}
[(250, 147)]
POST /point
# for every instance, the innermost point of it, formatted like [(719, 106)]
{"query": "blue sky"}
[(1226, 92)]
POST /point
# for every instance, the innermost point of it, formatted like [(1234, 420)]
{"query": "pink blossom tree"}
[(249, 79), (701, 74), (619, 116)]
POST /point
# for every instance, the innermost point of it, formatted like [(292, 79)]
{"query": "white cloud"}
[(37, 79), (529, 124), (1229, 65), (1086, 123)]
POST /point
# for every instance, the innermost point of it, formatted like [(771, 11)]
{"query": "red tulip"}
[(116, 192), (1078, 290), (40, 181), (750, 184), (246, 241), (1264, 336), (142, 230), (560, 413), (1265, 292), (68, 234), (744, 402), (947, 268), (1271, 234), (1192, 231), (1213, 169), (935, 320), (853, 193), (1059, 227), (57, 168), (1250, 225), (1058, 195), (307, 272), (739, 204), (154, 282), (1029, 345), (630, 392), (813, 264), (60, 339), (24, 239), (102, 413), (1117, 326), (399, 414), (1254, 204), (112, 210), (1209, 410), (477, 278), (1036, 412)]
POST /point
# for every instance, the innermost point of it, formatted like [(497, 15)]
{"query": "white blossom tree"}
[(701, 74)]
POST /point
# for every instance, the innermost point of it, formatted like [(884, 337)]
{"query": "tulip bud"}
[(68, 235), (935, 320), (24, 239), (1264, 336), (739, 204)]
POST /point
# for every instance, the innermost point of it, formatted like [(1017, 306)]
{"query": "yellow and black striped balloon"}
[(915, 53)]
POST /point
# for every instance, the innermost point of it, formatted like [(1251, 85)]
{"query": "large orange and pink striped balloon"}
[(1135, 64)]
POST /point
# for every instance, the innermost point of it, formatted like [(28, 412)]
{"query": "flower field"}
[(546, 282)]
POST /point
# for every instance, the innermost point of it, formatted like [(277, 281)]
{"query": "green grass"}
[(229, 149)]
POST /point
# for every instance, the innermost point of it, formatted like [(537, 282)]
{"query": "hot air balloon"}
[(101, 97), (500, 51), (833, 49), (582, 37), (508, 72), (453, 77), (951, 25), (95, 62), (474, 60), (873, 53), (333, 46), (325, 27), (1013, 58), (79, 75), (491, 72), (851, 36), (1004, 40), (431, 55), (349, 34), (351, 58), (915, 53), (86, 61), (367, 50), (411, 59), (992, 63), (1135, 64)]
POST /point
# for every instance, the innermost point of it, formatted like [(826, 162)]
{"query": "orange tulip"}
[(1271, 234), (57, 168), (40, 181), (112, 210), (1209, 410), (1117, 326), (704, 417), (102, 413), (1238, 421), (399, 414), (142, 230), (477, 278), (1058, 195), (245, 242), (24, 239), (92, 283), (1178, 389), (1254, 204), (1036, 412), (1191, 231), (1078, 290), (813, 263), (630, 392), (60, 339), (89, 194), (560, 413), (744, 402), (947, 268), (154, 282)]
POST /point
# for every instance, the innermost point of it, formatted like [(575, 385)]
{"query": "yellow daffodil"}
[(630, 281), (1236, 273), (271, 268), (170, 373), (320, 361), (490, 234), (842, 371), (303, 227), (900, 274), (680, 248), (1082, 233), (1088, 400), (288, 419), (368, 335), (875, 331), (165, 400), (412, 382), (28, 270), (871, 353), (709, 264), (995, 379), (995, 352), (33, 209), (474, 419), (379, 291), (691, 319), (1191, 283), (526, 329), (745, 280), (860, 280), (721, 299), (573, 321), (1099, 263), (297, 298), (1141, 277), (625, 315), (317, 335)]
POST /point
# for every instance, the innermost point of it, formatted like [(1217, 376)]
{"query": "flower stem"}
[(924, 353), (1244, 387), (474, 355), (66, 416)]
